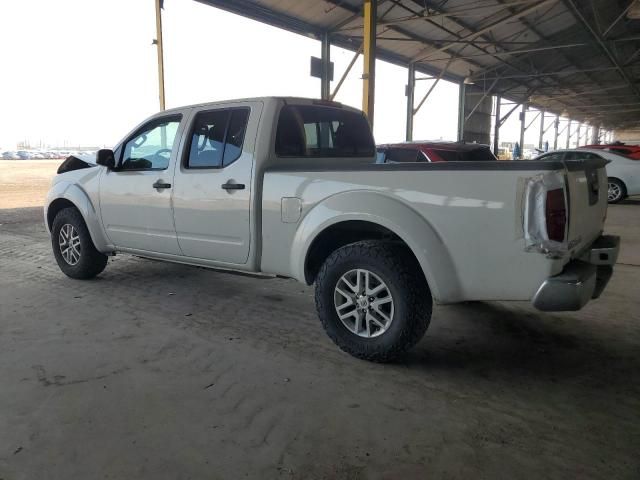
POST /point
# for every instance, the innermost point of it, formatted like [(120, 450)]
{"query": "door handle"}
[(160, 184), (232, 186)]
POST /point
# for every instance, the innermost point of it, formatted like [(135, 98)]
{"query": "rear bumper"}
[(580, 280)]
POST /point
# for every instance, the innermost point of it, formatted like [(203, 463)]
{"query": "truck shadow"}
[(493, 341)]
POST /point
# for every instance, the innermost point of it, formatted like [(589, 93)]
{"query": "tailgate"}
[(587, 202)]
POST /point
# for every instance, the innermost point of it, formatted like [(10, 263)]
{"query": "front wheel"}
[(373, 300), (73, 248), (616, 191)]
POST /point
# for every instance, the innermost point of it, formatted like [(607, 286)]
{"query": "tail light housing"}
[(556, 214)]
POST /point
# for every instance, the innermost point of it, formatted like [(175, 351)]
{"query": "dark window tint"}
[(404, 155), (555, 156), (217, 138), (235, 136), (317, 131), (475, 155), (581, 156), (150, 148)]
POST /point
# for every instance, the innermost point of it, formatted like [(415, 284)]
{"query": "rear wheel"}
[(373, 300), (73, 248), (616, 190)]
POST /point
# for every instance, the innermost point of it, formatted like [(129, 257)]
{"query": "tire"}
[(409, 310), (616, 191), (82, 261)]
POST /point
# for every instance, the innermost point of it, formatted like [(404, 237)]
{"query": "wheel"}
[(616, 190), (73, 248), (373, 300)]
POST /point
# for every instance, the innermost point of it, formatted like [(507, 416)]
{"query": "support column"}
[(568, 134), (160, 47), (578, 135), (523, 114), (411, 83), (461, 100), (325, 79), (496, 127), (555, 132), (541, 129), (369, 64)]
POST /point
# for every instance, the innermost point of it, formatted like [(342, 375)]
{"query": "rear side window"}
[(475, 155), (555, 156), (217, 137), (319, 131), (581, 156), (404, 155)]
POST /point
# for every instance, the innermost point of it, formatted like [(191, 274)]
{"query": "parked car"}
[(9, 155), (24, 155), (440, 151), (630, 151), (623, 173), (290, 187)]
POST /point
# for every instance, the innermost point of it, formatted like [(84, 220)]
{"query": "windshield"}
[(321, 131)]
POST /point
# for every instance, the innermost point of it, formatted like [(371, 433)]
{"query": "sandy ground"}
[(164, 371), (24, 183)]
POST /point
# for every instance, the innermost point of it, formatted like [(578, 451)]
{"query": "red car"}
[(629, 151), (434, 152)]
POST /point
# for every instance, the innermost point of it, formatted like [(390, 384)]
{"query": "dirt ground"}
[(164, 371), (24, 183)]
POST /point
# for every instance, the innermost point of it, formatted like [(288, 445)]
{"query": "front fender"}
[(78, 197), (393, 214)]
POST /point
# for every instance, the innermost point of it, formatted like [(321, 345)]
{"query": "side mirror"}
[(106, 158)]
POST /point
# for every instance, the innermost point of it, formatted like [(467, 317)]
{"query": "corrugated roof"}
[(573, 56)]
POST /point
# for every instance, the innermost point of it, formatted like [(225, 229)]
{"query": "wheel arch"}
[(362, 215), (65, 195)]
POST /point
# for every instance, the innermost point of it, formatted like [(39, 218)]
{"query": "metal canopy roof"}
[(580, 58)]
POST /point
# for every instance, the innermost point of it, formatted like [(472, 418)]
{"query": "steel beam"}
[(578, 134), (325, 79), (568, 134), (555, 132), (496, 127), (541, 129), (160, 48), (369, 51), (411, 84), (523, 114), (461, 98)]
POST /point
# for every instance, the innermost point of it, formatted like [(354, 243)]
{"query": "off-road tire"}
[(399, 270), (91, 261)]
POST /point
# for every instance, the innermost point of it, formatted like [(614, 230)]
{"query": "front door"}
[(135, 198), (212, 195)]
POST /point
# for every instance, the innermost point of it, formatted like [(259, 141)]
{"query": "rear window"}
[(318, 131)]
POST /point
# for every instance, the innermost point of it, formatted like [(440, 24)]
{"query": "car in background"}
[(428, 151), (630, 151), (9, 155), (623, 173)]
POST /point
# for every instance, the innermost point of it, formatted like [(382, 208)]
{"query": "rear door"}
[(213, 183)]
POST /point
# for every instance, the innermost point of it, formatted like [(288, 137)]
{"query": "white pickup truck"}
[(290, 187)]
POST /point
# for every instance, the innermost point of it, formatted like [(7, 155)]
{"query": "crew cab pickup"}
[(291, 187)]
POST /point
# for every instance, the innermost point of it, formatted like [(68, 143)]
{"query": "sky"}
[(84, 72)]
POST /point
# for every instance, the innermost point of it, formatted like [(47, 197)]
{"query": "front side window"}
[(581, 156), (217, 138), (322, 131), (151, 147)]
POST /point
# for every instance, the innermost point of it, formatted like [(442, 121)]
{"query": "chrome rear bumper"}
[(580, 280)]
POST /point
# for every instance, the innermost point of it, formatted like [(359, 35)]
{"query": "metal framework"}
[(571, 58)]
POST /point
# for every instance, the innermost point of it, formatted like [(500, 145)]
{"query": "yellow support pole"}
[(160, 53), (369, 51)]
